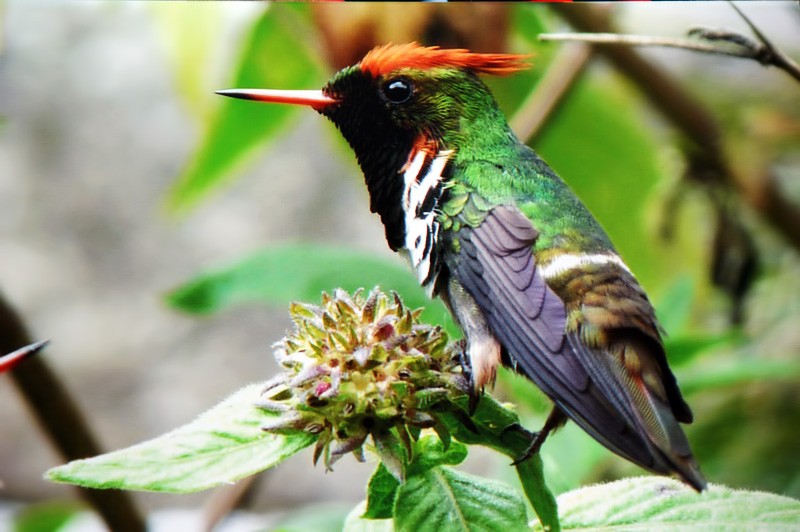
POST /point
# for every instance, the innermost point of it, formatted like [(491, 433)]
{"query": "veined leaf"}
[(662, 504), (381, 491), (497, 427), (220, 447), (276, 55), (442, 498)]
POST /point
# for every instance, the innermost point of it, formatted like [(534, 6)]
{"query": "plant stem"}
[(62, 421), (565, 69)]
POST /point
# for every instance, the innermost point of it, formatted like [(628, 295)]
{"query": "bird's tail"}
[(654, 410)]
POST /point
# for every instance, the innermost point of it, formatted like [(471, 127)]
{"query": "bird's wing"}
[(496, 266)]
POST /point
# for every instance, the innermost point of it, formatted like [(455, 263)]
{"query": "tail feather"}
[(643, 380), (632, 389)]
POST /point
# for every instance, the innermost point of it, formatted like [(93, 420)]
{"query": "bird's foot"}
[(533, 448), (555, 421), (466, 369)]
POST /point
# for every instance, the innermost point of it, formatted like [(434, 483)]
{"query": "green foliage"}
[(600, 145), (498, 427), (228, 443), (221, 446), (442, 498), (279, 275), (46, 516), (381, 492), (434, 495), (648, 503), (241, 128), (199, 24), (610, 159)]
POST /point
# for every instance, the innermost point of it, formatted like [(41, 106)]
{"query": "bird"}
[(529, 275)]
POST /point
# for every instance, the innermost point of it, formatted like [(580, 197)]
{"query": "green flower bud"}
[(360, 366)]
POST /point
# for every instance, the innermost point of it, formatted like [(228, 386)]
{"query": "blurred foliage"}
[(238, 129), (741, 381), (51, 515), (280, 275)]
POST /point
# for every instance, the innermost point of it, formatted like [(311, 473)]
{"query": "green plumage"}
[(527, 272)]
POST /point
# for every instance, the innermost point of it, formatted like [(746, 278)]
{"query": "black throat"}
[(381, 148)]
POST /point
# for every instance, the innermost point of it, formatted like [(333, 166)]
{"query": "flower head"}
[(360, 366)]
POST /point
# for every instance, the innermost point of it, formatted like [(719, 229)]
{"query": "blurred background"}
[(156, 232)]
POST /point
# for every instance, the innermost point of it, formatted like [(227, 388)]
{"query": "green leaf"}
[(190, 35), (276, 55), (430, 452), (657, 503), (355, 522), (497, 427), (675, 305), (302, 272), (381, 491), (682, 350), (741, 371), (445, 499), (52, 515), (392, 453), (221, 446)]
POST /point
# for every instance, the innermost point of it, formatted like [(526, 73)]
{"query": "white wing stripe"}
[(570, 261)]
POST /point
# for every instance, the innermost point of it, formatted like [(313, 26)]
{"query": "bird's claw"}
[(466, 370)]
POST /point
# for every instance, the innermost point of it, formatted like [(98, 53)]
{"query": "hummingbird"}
[(527, 272)]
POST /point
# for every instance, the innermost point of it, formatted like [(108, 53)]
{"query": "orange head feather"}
[(388, 58)]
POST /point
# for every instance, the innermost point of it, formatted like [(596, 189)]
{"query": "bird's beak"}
[(316, 99), (10, 360)]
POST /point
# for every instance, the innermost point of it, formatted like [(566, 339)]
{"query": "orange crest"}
[(388, 58)]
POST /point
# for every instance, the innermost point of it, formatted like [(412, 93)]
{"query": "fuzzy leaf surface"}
[(221, 446), (662, 504), (497, 427), (442, 498), (381, 492)]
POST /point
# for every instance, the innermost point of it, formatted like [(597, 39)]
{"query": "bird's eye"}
[(398, 90)]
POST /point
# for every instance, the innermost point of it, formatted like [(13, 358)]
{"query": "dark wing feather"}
[(496, 266)]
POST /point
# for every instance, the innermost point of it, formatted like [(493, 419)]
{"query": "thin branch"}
[(648, 40), (225, 499), (732, 44), (62, 421), (564, 70), (778, 57), (693, 119)]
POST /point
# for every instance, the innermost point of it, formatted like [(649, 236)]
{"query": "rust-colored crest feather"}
[(388, 58)]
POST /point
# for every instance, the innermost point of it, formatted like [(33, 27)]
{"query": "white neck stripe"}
[(570, 261), (421, 228)]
